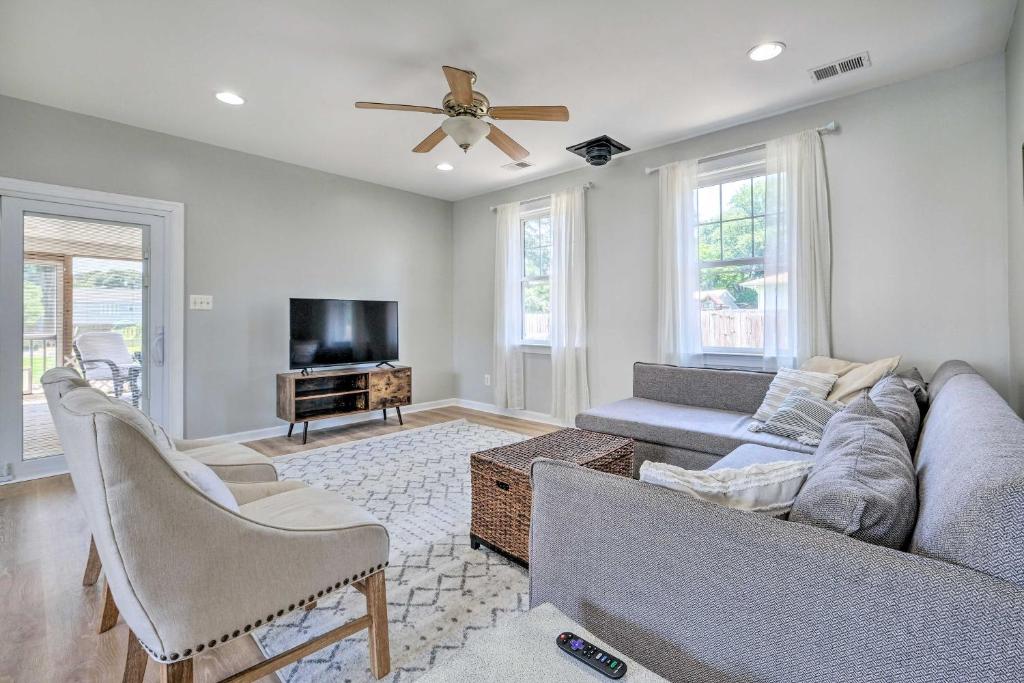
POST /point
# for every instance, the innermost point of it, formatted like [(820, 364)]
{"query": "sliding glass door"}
[(76, 291)]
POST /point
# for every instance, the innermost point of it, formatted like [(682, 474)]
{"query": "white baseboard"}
[(509, 412), (282, 430)]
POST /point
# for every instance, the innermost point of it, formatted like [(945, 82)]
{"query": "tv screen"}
[(339, 332)]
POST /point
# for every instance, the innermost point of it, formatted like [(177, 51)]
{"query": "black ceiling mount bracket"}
[(598, 151)]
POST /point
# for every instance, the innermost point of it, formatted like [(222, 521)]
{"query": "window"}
[(731, 239), (535, 321)]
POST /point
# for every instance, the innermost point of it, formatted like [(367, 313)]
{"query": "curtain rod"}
[(830, 127), (586, 186)]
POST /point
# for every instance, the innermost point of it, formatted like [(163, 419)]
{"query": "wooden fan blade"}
[(430, 142), (399, 107), (506, 144), (461, 83), (529, 113)]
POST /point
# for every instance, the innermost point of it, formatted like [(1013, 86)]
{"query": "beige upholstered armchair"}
[(192, 565), (231, 462)]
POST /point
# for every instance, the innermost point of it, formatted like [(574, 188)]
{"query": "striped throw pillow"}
[(801, 417), (817, 384)]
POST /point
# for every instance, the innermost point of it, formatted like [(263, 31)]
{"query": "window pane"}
[(736, 199), (758, 237), (537, 262), (730, 314), (537, 232), (737, 240), (708, 206), (710, 243), (758, 196), (536, 311)]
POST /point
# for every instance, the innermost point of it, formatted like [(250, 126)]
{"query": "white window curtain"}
[(798, 252), (679, 333), (508, 277), (570, 391)]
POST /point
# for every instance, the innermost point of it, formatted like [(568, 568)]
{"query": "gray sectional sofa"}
[(690, 417), (699, 592)]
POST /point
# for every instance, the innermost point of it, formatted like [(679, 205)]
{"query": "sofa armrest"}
[(740, 391), (699, 592)]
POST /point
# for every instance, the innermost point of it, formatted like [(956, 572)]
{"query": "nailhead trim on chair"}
[(174, 656)]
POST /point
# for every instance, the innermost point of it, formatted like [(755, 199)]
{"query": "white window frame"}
[(745, 165), (530, 211)]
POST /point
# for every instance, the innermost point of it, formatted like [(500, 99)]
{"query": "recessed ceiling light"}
[(444, 166), (230, 98), (766, 51)]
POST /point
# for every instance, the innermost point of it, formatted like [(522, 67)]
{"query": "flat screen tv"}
[(342, 332)]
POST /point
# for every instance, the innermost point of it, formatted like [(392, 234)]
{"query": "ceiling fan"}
[(465, 108)]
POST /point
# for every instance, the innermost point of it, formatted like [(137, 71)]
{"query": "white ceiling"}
[(645, 72)]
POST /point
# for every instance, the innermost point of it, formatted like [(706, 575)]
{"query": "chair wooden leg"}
[(178, 672), (110, 612), (377, 610), (92, 565), (135, 661)]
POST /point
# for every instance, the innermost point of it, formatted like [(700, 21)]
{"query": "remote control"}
[(610, 665)]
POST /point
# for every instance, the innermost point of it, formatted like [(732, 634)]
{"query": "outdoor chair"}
[(104, 356)]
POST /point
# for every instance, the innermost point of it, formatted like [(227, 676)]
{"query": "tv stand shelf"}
[(333, 393)]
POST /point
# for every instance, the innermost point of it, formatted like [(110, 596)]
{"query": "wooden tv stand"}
[(332, 393)]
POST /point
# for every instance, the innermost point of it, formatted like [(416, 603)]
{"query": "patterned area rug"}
[(440, 592)]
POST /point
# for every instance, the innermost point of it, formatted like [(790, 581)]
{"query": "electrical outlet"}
[(487, 380), (200, 302)]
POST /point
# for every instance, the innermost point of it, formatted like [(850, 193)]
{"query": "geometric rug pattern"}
[(441, 594)]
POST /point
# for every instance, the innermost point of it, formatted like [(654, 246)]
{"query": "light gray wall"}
[(257, 232), (1015, 186), (917, 178)]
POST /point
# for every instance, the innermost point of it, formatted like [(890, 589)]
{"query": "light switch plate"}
[(200, 302)]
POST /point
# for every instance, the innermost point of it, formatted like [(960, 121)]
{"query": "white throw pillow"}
[(203, 478), (786, 380), (763, 487)]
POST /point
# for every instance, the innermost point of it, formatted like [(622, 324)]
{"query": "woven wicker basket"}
[(502, 495)]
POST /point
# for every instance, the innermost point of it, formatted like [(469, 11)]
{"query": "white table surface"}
[(524, 650)]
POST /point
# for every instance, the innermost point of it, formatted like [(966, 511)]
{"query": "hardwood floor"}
[(317, 439), (49, 618)]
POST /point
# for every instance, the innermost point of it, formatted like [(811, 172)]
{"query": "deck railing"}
[(39, 354)]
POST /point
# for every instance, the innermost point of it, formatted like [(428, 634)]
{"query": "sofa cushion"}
[(897, 402), (801, 416), (755, 454), (688, 427), (816, 384), (863, 484), (767, 487), (854, 378)]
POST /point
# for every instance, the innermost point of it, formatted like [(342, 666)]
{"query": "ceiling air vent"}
[(517, 165), (842, 66)]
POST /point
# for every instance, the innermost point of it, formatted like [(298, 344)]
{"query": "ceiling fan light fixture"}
[(444, 166), (466, 131)]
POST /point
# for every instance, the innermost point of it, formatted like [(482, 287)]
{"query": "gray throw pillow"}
[(897, 403), (863, 484), (801, 416), (918, 387)]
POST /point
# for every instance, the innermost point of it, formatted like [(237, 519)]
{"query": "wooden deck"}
[(40, 437)]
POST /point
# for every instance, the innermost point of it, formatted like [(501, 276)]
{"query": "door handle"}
[(157, 354)]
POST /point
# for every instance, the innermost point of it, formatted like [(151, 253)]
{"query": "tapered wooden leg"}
[(110, 612), (291, 426), (398, 409), (377, 610), (135, 661), (178, 672), (92, 565)]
